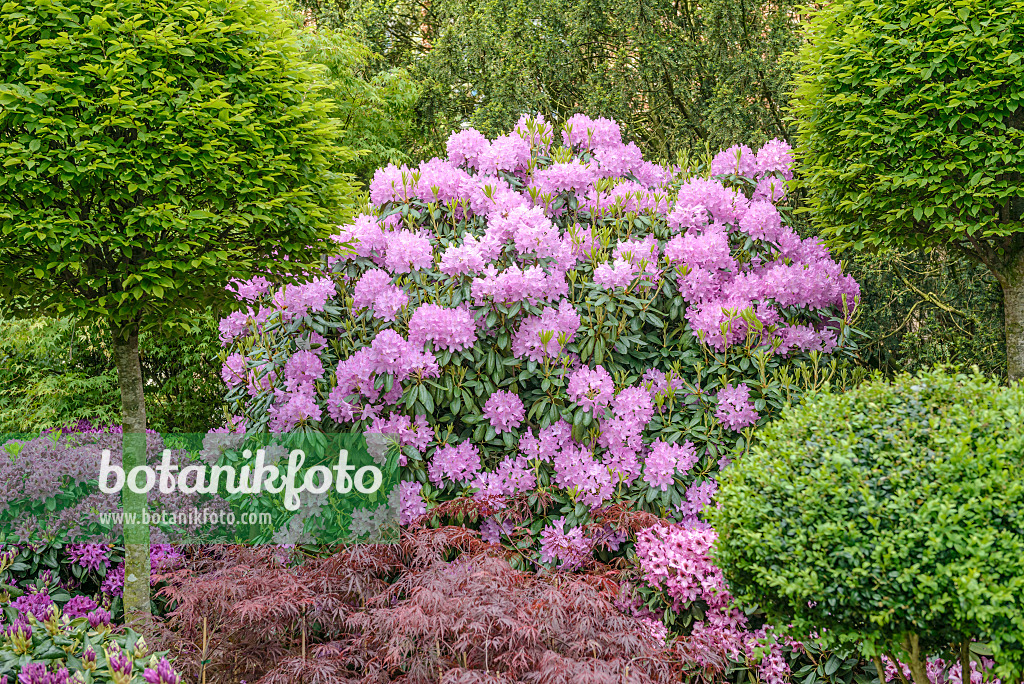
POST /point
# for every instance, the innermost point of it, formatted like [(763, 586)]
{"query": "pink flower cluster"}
[(591, 388), (451, 329), (415, 433), (735, 410), (411, 504), (388, 354), (296, 403), (375, 290), (546, 335), (799, 273), (569, 549), (676, 559), (89, 556), (459, 463), (665, 460), (504, 410)]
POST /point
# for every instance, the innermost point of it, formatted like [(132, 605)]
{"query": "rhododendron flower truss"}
[(676, 572), (554, 314)]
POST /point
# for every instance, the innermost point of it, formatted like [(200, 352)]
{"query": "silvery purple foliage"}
[(64, 468)]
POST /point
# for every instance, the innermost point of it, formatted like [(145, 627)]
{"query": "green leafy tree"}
[(887, 517), (911, 125), (152, 152), (676, 76), (377, 108)]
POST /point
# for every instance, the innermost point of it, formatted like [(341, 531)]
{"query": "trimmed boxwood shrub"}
[(889, 517)]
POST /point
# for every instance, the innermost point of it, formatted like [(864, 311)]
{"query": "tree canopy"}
[(676, 76), (152, 153), (910, 119), (885, 518)]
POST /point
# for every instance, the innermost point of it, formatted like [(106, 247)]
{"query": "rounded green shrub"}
[(890, 517)]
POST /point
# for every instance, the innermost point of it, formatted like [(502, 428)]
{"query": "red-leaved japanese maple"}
[(440, 606)]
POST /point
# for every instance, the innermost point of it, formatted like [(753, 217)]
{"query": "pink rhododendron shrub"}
[(548, 317)]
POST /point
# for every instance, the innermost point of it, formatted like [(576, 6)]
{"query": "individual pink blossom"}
[(489, 195), (578, 471), (637, 251), (369, 285), (89, 556), (707, 320), (592, 389), (490, 531), (735, 410), (545, 445), (805, 338), (456, 463), (504, 410), (391, 354), (388, 304), (699, 201), (516, 475), (762, 221), (534, 284), (450, 329), (532, 231), (651, 175)]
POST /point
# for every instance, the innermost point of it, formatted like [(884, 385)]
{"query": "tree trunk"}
[(1013, 309), (133, 416), (917, 662)]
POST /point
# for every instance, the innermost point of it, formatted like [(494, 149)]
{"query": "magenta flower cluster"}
[(941, 672)]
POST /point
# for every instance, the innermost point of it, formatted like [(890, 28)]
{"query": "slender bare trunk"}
[(965, 660), (1013, 309), (917, 661), (133, 416)]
